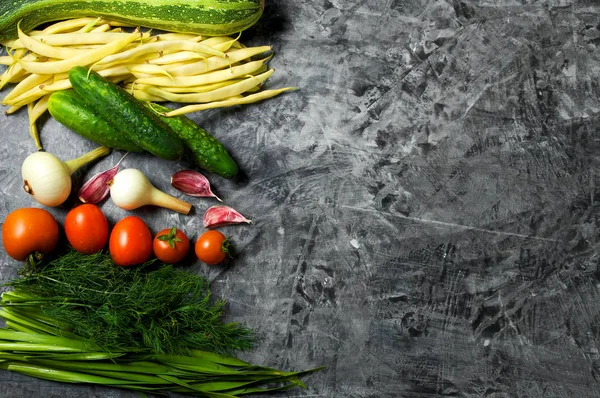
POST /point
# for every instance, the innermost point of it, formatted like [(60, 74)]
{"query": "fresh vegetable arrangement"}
[(121, 318), (80, 319), (112, 308), (202, 72)]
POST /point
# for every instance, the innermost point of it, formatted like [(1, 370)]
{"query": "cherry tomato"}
[(29, 231), (212, 247), (86, 228), (130, 242), (171, 245)]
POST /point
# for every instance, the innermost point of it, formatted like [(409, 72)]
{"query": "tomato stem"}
[(171, 238), (31, 263), (226, 247)]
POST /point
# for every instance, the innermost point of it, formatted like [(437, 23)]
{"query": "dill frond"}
[(153, 307)]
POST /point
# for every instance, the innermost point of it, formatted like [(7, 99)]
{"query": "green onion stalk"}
[(150, 329)]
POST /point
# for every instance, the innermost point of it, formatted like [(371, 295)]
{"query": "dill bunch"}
[(153, 307)]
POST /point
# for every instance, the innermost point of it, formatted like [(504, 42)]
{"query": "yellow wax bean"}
[(248, 99), (171, 66), (20, 53), (13, 74), (16, 43), (206, 78), (11, 43), (160, 46), (218, 40), (182, 90), (118, 23), (33, 130), (12, 109), (61, 76), (64, 83), (178, 36), (102, 28), (25, 85), (6, 60), (31, 96), (223, 46), (74, 39), (144, 96), (31, 91), (88, 27), (40, 107), (85, 59), (214, 63), (46, 50), (199, 89), (180, 56), (214, 95), (140, 59), (35, 111), (69, 25), (148, 69)]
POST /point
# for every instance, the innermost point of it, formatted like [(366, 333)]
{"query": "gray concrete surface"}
[(425, 211)]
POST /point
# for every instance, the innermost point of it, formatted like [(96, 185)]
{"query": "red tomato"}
[(86, 228), (171, 245), (130, 242), (29, 231), (212, 247)]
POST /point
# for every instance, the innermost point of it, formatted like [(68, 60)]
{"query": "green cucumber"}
[(67, 108), (205, 17), (207, 152), (126, 114)]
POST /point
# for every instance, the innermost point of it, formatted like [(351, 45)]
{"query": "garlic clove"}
[(192, 183), (221, 215), (97, 188)]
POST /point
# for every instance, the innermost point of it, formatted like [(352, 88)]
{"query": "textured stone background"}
[(425, 210)]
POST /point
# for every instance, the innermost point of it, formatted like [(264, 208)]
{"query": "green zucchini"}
[(205, 17), (207, 152), (126, 114), (67, 108)]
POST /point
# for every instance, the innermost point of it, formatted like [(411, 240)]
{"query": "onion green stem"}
[(74, 164)]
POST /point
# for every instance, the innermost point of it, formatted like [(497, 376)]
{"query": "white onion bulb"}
[(48, 179), (131, 189)]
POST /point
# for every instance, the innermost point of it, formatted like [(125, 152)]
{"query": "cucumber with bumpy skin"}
[(126, 114), (67, 108), (207, 152), (205, 17)]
